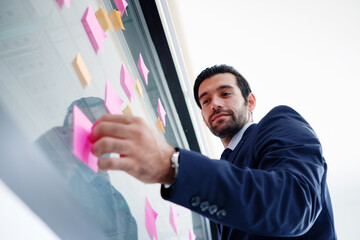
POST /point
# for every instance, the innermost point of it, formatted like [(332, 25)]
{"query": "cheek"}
[(206, 123), (205, 116)]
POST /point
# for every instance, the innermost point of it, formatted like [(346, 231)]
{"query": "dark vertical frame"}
[(158, 37), (159, 40)]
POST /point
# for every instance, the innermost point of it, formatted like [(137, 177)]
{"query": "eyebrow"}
[(219, 88)]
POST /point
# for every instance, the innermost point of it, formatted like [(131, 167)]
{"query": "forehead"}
[(216, 81)]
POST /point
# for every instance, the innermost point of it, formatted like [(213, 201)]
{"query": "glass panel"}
[(39, 86)]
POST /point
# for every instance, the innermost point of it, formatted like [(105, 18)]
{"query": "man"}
[(271, 186)]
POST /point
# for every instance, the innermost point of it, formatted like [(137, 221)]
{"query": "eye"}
[(226, 94), (205, 101)]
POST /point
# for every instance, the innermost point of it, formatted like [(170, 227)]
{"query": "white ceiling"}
[(305, 54)]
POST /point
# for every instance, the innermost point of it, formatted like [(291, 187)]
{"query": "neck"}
[(225, 141)]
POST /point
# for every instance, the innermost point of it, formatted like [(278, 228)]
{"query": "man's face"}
[(223, 107)]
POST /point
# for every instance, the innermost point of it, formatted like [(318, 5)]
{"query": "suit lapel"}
[(235, 152)]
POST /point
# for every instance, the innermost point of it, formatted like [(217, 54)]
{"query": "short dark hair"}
[(223, 68)]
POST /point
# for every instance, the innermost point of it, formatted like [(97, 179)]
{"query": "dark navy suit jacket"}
[(272, 186)]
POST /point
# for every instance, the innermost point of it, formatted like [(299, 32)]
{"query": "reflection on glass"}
[(94, 191)]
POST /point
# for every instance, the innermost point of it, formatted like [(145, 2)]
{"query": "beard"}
[(227, 128)]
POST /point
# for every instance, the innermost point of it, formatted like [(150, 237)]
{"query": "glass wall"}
[(53, 56)]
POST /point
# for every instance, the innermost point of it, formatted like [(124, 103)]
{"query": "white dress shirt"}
[(237, 137)]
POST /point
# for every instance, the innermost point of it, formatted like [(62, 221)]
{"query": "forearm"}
[(274, 203)]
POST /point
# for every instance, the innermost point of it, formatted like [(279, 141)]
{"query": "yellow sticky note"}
[(81, 70), (139, 88), (115, 17), (128, 110), (103, 19), (159, 125)]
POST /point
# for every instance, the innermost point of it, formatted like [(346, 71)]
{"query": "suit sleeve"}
[(280, 196)]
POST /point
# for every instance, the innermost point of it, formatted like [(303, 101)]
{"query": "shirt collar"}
[(237, 137)]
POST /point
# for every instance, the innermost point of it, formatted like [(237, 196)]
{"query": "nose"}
[(216, 103)]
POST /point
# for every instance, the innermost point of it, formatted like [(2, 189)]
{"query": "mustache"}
[(218, 111)]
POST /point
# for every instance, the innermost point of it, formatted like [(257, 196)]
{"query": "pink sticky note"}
[(113, 101), (81, 144), (150, 220), (93, 29), (121, 5), (161, 111), (143, 69), (174, 219), (127, 83), (192, 236), (60, 3)]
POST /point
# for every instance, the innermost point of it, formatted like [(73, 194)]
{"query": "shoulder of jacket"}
[(282, 108), (280, 113)]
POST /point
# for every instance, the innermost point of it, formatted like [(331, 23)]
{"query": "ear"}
[(251, 102)]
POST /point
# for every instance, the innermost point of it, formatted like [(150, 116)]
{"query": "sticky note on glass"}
[(161, 112), (93, 29), (60, 3), (103, 19), (192, 236), (139, 88), (127, 82), (174, 219), (143, 69), (159, 126), (150, 220), (121, 6), (115, 18), (81, 70), (128, 110), (81, 144), (113, 101)]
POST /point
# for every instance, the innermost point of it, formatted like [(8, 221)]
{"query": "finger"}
[(111, 145), (110, 129), (122, 163), (125, 119)]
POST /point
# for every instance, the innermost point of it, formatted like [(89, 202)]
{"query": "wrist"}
[(174, 167)]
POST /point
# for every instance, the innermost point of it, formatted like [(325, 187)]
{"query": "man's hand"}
[(143, 153)]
